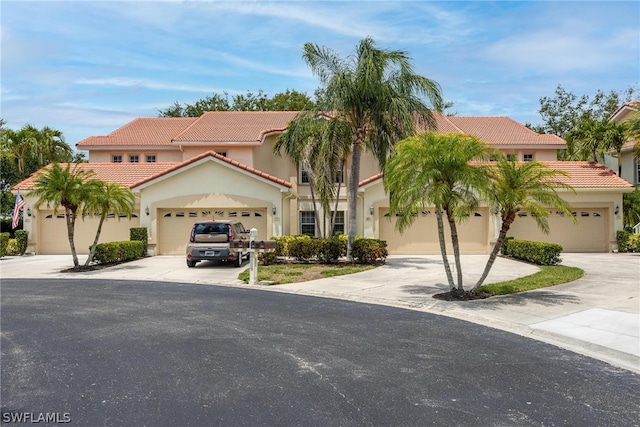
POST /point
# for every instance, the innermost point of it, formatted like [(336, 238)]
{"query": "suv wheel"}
[(238, 261), (191, 264)]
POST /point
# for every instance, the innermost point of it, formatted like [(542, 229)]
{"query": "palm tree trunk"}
[(315, 209), (506, 224), (71, 224), (92, 250), (335, 204), (354, 178), (456, 247), (443, 247)]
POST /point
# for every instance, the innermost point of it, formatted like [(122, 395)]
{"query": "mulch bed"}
[(457, 295)]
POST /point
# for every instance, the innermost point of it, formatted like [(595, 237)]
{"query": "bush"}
[(504, 250), (622, 239), (303, 248), (12, 247), (112, 252), (267, 258), (140, 234), (330, 250), (633, 244), (22, 239), (4, 243), (369, 251), (536, 252)]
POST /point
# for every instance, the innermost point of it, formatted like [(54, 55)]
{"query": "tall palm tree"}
[(526, 186), (20, 145), (52, 147), (632, 131), (108, 198), (434, 169), (614, 139), (587, 139), (67, 186), (376, 93)]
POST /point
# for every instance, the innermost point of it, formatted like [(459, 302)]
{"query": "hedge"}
[(112, 252), (140, 234), (4, 243), (369, 251), (536, 252), (22, 239)]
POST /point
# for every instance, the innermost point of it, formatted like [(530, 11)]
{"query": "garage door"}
[(175, 225), (588, 235), (422, 236), (53, 232)]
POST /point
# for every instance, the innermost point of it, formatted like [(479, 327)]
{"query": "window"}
[(151, 158), (512, 157), (117, 159), (307, 223), (222, 153), (338, 225), (304, 175), (527, 157), (134, 158)]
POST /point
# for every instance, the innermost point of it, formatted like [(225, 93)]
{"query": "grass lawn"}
[(547, 276), (293, 273)]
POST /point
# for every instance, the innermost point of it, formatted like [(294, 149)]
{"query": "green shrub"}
[(369, 251), (112, 252), (12, 247), (330, 250), (633, 244), (267, 258), (4, 243), (22, 239), (622, 239), (283, 244), (536, 252), (140, 234), (303, 248), (504, 250)]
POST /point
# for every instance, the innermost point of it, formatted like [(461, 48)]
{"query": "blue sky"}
[(87, 68)]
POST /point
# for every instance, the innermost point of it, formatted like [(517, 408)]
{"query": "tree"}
[(631, 208), (377, 95), (526, 186), (108, 197), (69, 187), (290, 100), (434, 169), (614, 139), (632, 132), (587, 139)]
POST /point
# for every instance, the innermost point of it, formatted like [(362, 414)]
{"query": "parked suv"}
[(210, 240)]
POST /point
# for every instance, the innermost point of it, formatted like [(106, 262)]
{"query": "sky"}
[(87, 68)]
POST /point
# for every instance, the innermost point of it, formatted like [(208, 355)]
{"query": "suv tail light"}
[(192, 237), (232, 234)]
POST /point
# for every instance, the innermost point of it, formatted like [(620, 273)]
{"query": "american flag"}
[(16, 210)]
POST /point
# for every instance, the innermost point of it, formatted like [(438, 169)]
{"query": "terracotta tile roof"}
[(235, 126), (123, 173), (588, 175), (176, 166), (142, 131), (581, 175), (497, 131)]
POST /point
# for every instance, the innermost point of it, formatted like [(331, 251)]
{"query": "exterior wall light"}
[(371, 209), (273, 210), (146, 210), (28, 211), (617, 211)]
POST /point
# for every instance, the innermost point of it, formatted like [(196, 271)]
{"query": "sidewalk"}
[(598, 315)]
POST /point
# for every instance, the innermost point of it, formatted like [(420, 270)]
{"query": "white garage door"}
[(422, 236), (53, 232), (589, 234), (175, 225)]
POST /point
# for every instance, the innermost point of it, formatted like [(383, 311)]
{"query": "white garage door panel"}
[(53, 232), (588, 235), (422, 236), (175, 225)]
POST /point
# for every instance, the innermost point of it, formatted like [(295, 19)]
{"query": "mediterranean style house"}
[(630, 163), (221, 165)]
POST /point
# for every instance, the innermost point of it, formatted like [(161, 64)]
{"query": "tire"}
[(238, 262), (191, 264)]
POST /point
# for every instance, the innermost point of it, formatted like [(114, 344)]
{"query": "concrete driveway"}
[(598, 315)]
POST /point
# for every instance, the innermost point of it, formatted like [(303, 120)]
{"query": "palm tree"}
[(108, 197), (614, 139), (52, 147), (20, 145), (587, 139), (377, 95), (66, 186), (632, 131), (434, 169), (526, 186)]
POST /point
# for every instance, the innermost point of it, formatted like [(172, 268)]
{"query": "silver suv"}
[(211, 240)]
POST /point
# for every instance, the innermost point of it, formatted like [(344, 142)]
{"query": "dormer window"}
[(134, 158), (151, 158), (117, 158)]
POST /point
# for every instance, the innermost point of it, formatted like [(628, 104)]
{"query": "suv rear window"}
[(212, 229)]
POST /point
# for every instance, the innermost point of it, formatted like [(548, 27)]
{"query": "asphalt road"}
[(105, 352)]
